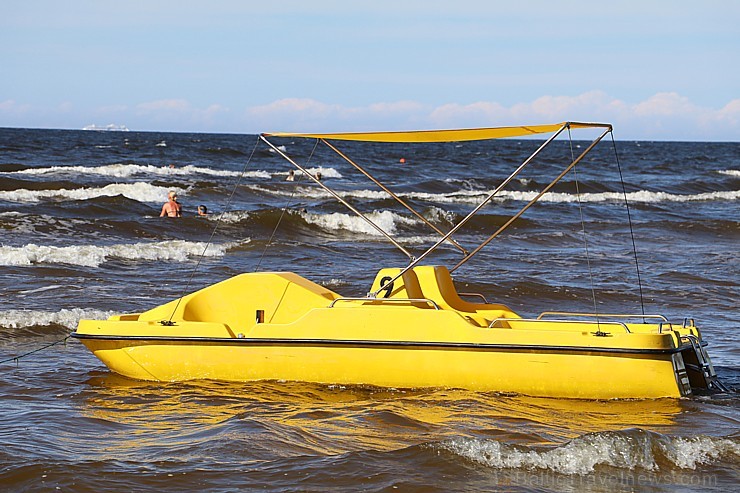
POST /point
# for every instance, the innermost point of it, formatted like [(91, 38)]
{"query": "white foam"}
[(386, 220), (475, 197), (627, 450), (120, 170), (334, 283), (731, 172), (576, 457), (14, 319), (436, 215), (229, 217), (325, 172), (641, 196), (93, 255), (139, 191), (320, 193), (687, 453)]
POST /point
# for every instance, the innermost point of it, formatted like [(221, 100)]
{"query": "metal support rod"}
[(389, 300), (393, 195), (532, 202), (479, 207), (582, 322), (606, 315), (336, 196)]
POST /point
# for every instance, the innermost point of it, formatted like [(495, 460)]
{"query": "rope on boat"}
[(583, 230), (16, 358), (285, 209), (226, 209), (629, 220)]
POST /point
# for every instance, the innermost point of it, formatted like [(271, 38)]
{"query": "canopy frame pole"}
[(472, 213), (535, 199), (336, 196), (393, 195)]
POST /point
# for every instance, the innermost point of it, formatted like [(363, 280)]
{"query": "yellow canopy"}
[(458, 135)]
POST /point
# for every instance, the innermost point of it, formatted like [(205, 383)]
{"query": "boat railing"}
[(600, 315), (662, 324), (389, 300), (475, 295), (540, 320)]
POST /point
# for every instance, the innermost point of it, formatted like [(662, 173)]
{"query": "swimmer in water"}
[(172, 207)]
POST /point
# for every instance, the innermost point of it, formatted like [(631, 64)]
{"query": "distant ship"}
[(108, 128)]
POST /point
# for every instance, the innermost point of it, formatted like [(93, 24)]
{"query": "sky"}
[(656, 69)]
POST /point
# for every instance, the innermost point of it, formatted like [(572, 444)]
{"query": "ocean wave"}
[(325, 173), (14, 319), (229, 217), (120, 170), (386, 220), (475, 197), (139, 191), (730, 172), (334, 222), (93, 255), (641, 196), (629, 449)]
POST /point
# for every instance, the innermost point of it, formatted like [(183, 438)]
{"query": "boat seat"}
[(436, 284), (282, 297), (407, 286)]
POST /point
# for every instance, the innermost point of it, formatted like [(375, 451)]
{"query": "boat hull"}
[(279, 326), (537, 370)]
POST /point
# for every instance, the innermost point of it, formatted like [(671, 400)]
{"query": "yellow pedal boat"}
[(280, 326), (412, 330)]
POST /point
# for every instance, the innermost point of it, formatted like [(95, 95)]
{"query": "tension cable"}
[(16, 358), (226, 209), (583, 230), (629, 220), (285, 209)]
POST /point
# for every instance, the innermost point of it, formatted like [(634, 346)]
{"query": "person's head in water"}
[(172, 207), (202, 210)]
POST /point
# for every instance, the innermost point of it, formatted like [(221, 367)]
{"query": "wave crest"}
[(730, 172), (93, 255), (476, 196), (386, 220), (121, 170), (139, 191), (629, 449), (14, 319)]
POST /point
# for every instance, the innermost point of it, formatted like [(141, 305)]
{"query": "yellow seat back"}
[(436, 284), (283, 297), (407, 286)]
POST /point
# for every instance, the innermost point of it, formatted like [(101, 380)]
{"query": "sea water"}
[(81, 237)]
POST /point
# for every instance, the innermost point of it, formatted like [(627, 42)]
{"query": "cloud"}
[(730, 114), (310, 115), (177, 115), (663, 116), (10, 107), (164, 105)]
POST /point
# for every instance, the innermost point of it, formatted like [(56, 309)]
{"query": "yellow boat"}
[(412, 330)]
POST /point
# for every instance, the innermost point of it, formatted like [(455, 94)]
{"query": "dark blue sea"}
[(81, 237)]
